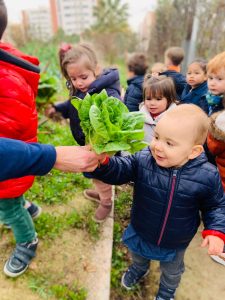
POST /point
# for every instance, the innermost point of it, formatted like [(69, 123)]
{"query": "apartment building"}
[(73, 16), (146, 27), (38, 23)]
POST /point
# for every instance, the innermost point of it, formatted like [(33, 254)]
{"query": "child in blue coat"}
[(173, 186), (137, 67), (196, 89)]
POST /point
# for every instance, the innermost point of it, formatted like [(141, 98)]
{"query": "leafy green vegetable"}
[(108, 125)]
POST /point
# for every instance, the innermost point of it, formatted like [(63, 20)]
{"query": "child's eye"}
[(84, 77), (169, 144), (159, 98)]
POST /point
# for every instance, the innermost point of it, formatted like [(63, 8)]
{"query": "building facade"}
[(38, 23), (72, 16)]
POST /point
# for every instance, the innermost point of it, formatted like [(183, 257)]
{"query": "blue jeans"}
[(13, 213), (171, 272)]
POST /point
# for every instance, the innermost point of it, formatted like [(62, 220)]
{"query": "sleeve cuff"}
[(215, 233), (106, 161)]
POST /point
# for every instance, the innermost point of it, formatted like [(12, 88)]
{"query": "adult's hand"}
[(76, 159)]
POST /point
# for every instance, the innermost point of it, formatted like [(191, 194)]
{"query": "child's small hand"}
[(50, 111), (103, 158), (214, 243)]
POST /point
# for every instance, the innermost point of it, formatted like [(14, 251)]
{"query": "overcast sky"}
[(137, 11)]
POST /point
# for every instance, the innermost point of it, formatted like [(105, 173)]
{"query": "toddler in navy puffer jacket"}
[(173, 185)]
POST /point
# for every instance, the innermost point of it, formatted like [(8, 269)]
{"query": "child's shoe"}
[(160, 298), (219, 258), (102, 212), (132, 276), (92, 195), (33, 209), (20, 258)]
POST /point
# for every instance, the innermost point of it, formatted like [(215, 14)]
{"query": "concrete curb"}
[(98, 282)]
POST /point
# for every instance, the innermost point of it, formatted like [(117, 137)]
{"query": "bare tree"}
[(174, 24)]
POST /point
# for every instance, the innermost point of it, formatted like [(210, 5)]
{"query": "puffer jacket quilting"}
[(18, 115), (197, 189)]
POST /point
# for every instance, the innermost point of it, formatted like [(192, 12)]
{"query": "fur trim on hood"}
[(217, 126)]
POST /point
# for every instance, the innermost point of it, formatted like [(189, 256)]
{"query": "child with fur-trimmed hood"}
[(216, 145), (216, 141)]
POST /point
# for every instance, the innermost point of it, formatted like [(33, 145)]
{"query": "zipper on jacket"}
[(174, 178)]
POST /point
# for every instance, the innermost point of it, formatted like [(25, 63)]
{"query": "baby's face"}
[(173, 142), (216, 82)]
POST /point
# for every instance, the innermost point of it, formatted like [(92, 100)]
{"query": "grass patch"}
[(45, 286), (50, 226), (56, 187)]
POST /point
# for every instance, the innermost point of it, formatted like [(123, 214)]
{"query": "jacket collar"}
[(201, 89), (136, 79)]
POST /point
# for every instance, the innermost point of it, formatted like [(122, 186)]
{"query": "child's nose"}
[(158, 146)]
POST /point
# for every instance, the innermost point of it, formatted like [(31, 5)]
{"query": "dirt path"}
[(71, 258)]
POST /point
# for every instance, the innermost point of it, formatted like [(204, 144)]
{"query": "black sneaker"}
[(20, 258), (34, 210), (160, 298), (132, 276)]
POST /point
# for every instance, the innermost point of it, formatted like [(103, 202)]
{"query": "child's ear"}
[(196, 151)]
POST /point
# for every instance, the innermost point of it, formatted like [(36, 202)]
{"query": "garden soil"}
[(68, 260)]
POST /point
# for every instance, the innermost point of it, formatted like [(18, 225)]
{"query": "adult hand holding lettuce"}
[(108, 125)]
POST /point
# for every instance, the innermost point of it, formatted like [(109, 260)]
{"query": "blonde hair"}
[(216, 63), (159, 67), (175, 54), (79, 52), (160, 86), (197, 118)]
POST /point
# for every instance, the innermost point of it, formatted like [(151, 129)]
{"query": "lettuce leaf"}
[(108, 125)]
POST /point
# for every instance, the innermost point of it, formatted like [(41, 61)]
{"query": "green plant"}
[(108, 125), (45, 286), (48, 86), (64, 292), (84, 221), (49, 226)]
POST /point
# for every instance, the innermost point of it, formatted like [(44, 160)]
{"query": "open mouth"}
[(160, 158)]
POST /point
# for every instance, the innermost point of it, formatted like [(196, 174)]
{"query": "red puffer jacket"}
[(18, 115)]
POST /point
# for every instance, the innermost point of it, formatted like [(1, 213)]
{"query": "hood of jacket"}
[(108, 79), (148, 118), (28, 68), (217, 126), (136, 80)]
